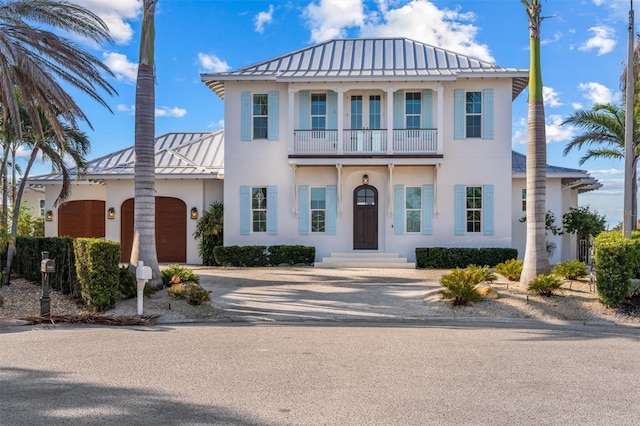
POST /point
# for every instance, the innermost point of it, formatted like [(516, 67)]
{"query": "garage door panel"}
[(82, 218)]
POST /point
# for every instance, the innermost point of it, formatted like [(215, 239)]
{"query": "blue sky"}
[(583, 53)]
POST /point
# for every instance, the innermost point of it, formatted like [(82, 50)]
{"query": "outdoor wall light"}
[(365, 180), (194, 213), (49, 215), (111, 213)]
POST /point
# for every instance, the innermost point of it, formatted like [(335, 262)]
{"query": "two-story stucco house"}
[(370, 146)]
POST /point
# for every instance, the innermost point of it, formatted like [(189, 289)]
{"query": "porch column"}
[(340, 92), (390, 191), (436, 172), (440, 130), (292, 136), (339, 189), (389, 120)]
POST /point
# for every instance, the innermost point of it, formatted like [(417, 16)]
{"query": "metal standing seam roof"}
[(371, 59), (193, 154)]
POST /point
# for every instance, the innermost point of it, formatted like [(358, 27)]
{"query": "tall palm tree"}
[(144, 237), (536, 259), (604, 127)]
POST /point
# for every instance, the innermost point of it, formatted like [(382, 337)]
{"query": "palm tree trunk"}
[(536, 258), (144, 236)]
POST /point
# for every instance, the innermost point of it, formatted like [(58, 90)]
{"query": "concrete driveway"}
[(306, 293)]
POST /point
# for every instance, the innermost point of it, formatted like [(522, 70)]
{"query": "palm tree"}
[(604, 127), (536, 259), (144, 239)]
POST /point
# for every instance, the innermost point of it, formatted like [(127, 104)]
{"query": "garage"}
[(171, 229), (82, 218)]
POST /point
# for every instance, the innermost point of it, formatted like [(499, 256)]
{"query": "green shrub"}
[(545, 285), (571, 269), (98, 273), (275, 255), (192, 292), (482, 273), (209, 232), (291, 255), (510, 269), (129, 284), (616, 258), (461, 257), (184, 273), (460, 286)]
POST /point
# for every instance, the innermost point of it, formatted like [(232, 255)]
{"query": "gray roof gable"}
[(385, 59)]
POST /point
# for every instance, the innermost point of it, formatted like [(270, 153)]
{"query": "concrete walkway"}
[(307, 293)]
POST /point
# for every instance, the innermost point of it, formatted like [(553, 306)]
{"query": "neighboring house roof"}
[(572, 178), (385, 59), (190, 154)]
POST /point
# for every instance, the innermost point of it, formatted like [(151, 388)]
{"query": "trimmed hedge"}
[(616, 259), (28, 256), (461, 257), (250, 256), (97, 266)]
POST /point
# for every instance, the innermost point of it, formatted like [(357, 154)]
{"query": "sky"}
[(584, 49)]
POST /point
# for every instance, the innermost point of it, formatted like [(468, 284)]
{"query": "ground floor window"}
[(474, 209), (318, 209), (259, 209), (413, 209)]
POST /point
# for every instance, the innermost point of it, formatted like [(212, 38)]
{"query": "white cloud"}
[(577, 105), (121, 67), (550, 97), (170, 112), (263, 18), (211, 63), (216, 125), (554, 131), (329, 19), (115, 13), (419, 20), (611, 171), (603, 40), (556, 37), (125, 108), (596, 93)]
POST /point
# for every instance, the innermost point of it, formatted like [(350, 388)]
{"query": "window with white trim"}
[(473, 114), (260, 116), (413, 106), (318, 111), (259, 209), (413, 208), (474, 208), (524, 200), (42, 203), (318, 209)]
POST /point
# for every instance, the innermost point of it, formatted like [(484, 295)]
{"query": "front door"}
[(365, 218)]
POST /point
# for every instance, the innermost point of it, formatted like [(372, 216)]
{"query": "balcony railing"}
[(366, 141)]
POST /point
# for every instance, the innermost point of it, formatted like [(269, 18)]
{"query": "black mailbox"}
[(48, 266)]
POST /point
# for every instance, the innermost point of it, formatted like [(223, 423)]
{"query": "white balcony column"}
[(340, 147), (339, 190), (389, 120), (292, 136), (294, 189), (390, 191), (440, 125)]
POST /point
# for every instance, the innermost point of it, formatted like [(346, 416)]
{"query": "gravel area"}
[(577, 302)]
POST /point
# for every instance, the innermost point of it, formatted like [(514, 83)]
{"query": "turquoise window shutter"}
[(460, 208), (245, 116), (398, 110), (303, 210), (272, 210), (332, 110), (487, 114), (487, 210), (427, 109), (303, 99), (458, 114), (245, 210), (274, 116), (332, 209), (398, 209), (427, 209)]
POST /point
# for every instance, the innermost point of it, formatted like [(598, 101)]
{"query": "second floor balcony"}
[(365, 142)]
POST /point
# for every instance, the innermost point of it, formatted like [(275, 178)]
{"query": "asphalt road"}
[(428, 373)]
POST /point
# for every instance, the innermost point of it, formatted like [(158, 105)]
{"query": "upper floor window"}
[(356, 112), (474, 208), (259, 209), (318, 111), (260, 116), (413, 209), (413, 110), (473, 114), (375, 112), (318, 209)]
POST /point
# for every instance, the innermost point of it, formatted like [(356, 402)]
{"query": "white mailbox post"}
[(143, 274)]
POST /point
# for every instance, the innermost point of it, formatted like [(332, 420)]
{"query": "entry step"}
[(365, 259)]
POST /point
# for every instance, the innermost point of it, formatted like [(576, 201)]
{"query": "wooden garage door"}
[(171, 229), (82, 218)]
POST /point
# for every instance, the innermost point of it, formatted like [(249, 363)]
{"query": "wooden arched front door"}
[(365, 218), (82, 218), (171, 229)]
